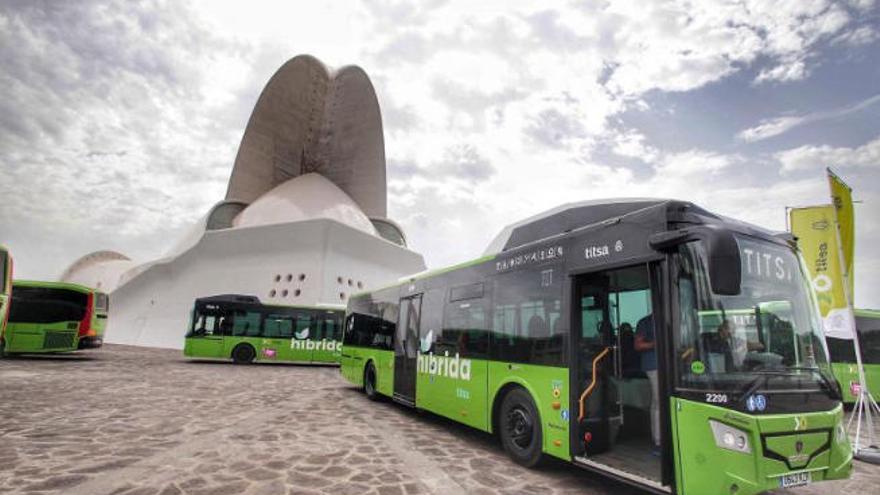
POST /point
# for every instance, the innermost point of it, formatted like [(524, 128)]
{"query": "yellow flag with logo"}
[(841, 196), (816, 234)]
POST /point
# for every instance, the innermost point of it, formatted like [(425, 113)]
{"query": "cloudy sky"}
[(119, 121)]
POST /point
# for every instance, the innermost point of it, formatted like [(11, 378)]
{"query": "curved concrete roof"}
[(309, 119), (100, 270), (303, 198)]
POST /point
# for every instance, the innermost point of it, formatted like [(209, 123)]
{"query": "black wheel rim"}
[(520, 427), (370, 378)]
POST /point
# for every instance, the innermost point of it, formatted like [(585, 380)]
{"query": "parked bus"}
[(5, 290), (54, 317), (241, 328), (843, 356), (604, 334)]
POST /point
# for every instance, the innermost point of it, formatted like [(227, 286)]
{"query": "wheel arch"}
[(503, 388)]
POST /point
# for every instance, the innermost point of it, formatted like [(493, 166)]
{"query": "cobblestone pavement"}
[(137, 421)]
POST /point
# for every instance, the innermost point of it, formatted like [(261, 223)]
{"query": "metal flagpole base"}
[(865, 410)]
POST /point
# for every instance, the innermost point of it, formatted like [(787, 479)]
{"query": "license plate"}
[(794, 479)]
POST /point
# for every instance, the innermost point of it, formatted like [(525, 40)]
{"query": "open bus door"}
[(613, 403)]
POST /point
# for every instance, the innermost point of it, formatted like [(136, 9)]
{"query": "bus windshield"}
[(768, 337)]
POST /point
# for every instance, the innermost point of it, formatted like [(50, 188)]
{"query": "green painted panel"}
[(548, 387), (454, 387), (353, 362), (704, 467), (42, 337), (267, 349), (847, 374)]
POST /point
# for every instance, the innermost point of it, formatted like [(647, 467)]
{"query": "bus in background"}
[(843, 356), (5, 290), (91, 330), (606, 334), (240, 328), (51, 317)]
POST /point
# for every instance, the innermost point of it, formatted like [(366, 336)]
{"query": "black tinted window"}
[(527, 323), (869, 339), (46, 305)]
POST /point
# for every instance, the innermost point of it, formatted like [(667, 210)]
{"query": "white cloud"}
[(817, 157), (632, 144), (768, 128), (787, 71)]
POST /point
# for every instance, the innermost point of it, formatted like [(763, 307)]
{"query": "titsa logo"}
[(596, 251)]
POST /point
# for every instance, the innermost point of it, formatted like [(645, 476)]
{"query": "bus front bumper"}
[(90, 342)]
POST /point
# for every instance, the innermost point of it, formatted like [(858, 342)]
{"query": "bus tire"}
[(520, 428), (370, 382), (243, 354), (2, 348)]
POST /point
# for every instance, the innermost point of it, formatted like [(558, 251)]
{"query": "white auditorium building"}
[(303, 222)]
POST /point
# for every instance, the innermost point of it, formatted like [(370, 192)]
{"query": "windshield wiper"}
[(825, 380), (760, 380)]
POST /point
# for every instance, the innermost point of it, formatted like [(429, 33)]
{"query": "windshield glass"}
[(767, 337)]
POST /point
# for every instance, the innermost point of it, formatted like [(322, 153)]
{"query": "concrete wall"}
[(153, 309)]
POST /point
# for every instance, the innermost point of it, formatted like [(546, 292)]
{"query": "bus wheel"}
[(520, 428), (370, 382), (2, 348), (243, 354)]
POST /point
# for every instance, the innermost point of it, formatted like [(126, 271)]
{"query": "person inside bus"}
[(731, 347), (630, 359), (644, 343)]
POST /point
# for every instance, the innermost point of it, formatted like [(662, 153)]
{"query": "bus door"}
[(613, 367), (406, 348), (206, 337)]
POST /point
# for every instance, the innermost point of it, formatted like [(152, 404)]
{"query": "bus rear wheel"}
[(520, 428), (370, 382), (243, 354)]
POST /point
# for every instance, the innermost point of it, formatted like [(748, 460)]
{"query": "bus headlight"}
[(730, 438)]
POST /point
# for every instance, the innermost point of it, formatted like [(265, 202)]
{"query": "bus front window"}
[(768, 337)]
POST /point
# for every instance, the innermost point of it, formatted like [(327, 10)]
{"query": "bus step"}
[(621, 475), (403, 400)]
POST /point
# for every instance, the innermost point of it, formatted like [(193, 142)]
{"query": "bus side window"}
[(246, 324), (465, 329), (526, 323), (278, 327), (869, 339), (305, 326)]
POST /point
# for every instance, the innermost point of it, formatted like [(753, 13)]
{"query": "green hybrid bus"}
[(843, 356), (241, 328), (612, 335), (54, 317), (5, 290)]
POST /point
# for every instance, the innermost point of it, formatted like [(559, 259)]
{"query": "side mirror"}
[(725, 264)]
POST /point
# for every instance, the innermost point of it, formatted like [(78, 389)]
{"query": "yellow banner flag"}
[(841, 196), (815, 229)]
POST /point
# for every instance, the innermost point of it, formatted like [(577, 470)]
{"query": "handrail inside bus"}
[(589, 389)]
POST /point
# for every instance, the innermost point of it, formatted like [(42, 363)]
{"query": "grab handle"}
[(590, 388)]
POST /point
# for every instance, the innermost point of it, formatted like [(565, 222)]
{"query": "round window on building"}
[(272, 293), (302, 276), (296, 293), (342, 295), (289, 277), (284, 293), (278, 278), (360, 285), (338, 280)]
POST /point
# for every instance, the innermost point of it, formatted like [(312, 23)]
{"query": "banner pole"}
[(865, 404)]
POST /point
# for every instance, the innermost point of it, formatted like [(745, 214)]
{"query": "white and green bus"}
[(240, 328), (613, 335)]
